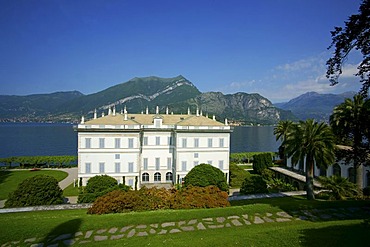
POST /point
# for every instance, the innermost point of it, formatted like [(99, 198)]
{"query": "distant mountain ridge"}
[(314, 105), (137, 94)]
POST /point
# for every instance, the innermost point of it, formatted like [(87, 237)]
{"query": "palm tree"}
[(349, 122), (281, 131), (313, 142), (339, 188)]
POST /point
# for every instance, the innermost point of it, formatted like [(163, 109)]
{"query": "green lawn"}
[(331, 232), (70, 190), (9, 179)]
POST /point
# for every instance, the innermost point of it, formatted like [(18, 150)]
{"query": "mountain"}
[(137, 94), (314, 105), (33, 106), (240, 107)]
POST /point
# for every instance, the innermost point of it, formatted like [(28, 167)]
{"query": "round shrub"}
[(204, 175), (35, 191), (254, 185), (100, 183)]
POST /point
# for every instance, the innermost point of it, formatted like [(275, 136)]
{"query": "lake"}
[(31, 139)]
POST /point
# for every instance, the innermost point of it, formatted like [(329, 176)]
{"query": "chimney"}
[(102, 114), (125, 111), (188, 110), (109, 111), (214, 118), (197, 112), (167, 110), (126, 116), (114, 110), (157, 110), (226, 121), (201, 112), (82, 120), (95, 114), (147, 111)]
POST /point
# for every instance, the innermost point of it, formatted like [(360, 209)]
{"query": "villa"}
[(146, 149)]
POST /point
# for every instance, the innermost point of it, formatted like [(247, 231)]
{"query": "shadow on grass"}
[(4, 175), (63, 234), (315, 210), (341, 235)]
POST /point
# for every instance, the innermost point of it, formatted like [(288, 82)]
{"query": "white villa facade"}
[(145, 149), (340, 168)]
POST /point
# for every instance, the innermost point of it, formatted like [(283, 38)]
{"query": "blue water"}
[(31, 139)]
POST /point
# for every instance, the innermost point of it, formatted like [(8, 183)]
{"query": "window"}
[(183, 166), (169, 164), (101, 167), (131, 182), (131, 167), (169, 176), (196, 155), (145, 177), (222, 142), (336, 170), (157, 123), (101, 142), (196, 142), (145, 161), (117, 156), (117, 167), (130, 142), (117, 143), (145, 141), (169, 140), (157, 140), (221, 164), (157, 177), (196, 163), (209, 162), (184, 142), (157, 163), (87, 167), (210, 142), (88, 143)]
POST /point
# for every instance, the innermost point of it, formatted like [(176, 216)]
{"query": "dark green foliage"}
[(278, 185), (339, 188), (100, 183), (40, 161), (245, 157), (204, 175), (37, 190), (267, 174), (237, 176), (254, 185), (366, 191), (261, 162), (98, 186), (154, 199)]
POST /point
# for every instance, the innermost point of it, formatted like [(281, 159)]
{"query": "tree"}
[(350, 123), (261, 162), (355, 35), (339, 188), (37, 190), (313, 142), (100, 183), (204, 175), (281, 131)]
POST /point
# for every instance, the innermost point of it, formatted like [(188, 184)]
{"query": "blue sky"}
[(276, 48)]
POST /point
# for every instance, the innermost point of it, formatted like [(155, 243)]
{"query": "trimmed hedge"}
[(36, 191), (204, 175), (237, 176), (261, 162), (154, 199), (254, 185)]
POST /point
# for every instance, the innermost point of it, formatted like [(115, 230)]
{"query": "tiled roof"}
[(147, 119)]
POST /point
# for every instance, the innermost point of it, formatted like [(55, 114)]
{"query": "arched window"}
[(351, 175), (322, 171), (336, 170), (169, 176), (157, 177), (145, 177)]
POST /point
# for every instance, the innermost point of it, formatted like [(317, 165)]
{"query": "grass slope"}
[(9, 179), (349, 232)]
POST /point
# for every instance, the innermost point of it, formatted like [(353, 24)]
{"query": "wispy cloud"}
[(290, 80)]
